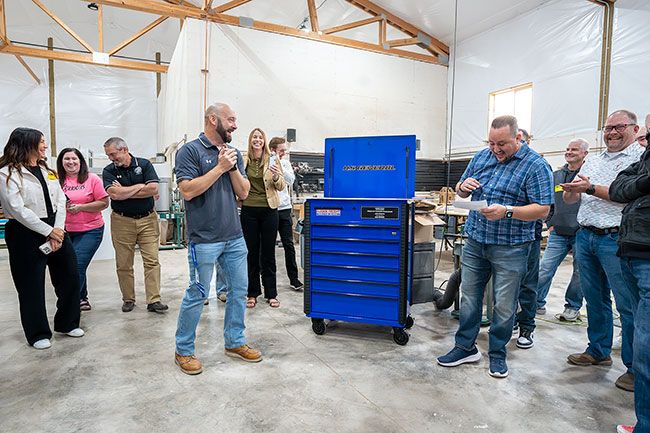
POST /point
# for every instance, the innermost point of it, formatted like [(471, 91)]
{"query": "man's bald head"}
[(220, 122), (216, 109)]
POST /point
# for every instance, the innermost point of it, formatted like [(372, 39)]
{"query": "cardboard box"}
[(446, 196), (424, 224), (299, 211)]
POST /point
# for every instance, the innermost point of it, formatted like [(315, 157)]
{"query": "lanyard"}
[(195, 263)]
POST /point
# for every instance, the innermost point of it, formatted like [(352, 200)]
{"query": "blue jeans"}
[(221, 280), (507, 264), (557, 248), (231, 257), (85, 246), (600, 269), (637, 274), (528, 289)]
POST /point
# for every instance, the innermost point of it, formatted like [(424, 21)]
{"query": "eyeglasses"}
[(618, 128)]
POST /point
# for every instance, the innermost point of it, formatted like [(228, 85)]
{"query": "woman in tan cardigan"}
[(259, 218)]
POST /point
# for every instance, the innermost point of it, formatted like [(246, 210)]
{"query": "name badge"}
[(558, 188)]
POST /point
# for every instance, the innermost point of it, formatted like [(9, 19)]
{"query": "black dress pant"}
[(260, 226), (285, 227), (27, 264)]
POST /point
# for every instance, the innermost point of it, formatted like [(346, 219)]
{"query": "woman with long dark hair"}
[(33, 202), (86, 199), (259, 218)]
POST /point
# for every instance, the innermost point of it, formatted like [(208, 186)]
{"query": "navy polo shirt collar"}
[(134, 161), (205, 141)]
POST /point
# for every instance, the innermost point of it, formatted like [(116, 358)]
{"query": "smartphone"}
[(46, 248), (273, 159)]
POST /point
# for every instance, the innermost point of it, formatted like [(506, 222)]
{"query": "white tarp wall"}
[(92, 104), (557, 47), (630, 85), (277, 82)]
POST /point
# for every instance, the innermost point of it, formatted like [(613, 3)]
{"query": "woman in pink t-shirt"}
[(86, 201)]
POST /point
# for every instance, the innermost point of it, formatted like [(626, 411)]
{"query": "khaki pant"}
[(127, 233)]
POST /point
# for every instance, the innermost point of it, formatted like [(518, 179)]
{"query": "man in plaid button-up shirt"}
[(518, 186)]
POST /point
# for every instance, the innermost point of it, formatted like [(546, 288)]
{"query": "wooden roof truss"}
[(222, 13)]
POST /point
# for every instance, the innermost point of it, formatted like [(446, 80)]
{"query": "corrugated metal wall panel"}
[(430, 175)]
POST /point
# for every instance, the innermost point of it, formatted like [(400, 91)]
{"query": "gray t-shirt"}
[(212, 216)]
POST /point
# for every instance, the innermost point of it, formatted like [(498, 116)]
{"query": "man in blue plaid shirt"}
[(517, 184)]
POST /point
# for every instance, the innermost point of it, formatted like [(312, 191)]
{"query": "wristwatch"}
[(591, 190), (509, 212)]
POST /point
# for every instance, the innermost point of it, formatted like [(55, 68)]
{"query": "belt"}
[(135, 217), (601, 232)]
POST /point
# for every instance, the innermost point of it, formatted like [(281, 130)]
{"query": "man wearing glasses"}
[(596, 245)]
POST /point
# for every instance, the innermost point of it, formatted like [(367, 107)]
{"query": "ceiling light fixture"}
[(93, 6)]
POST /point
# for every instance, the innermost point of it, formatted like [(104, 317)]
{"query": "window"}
[(517, 101)]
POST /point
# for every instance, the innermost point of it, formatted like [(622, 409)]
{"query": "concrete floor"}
[(121, 376)]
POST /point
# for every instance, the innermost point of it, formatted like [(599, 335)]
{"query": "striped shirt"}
[(523, 179)]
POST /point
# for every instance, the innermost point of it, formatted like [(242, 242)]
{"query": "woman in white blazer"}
[(34, 203)]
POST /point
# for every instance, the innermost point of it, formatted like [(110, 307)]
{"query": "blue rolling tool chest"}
[(359, 250)]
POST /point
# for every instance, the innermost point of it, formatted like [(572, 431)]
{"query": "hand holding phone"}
[(46, 248)]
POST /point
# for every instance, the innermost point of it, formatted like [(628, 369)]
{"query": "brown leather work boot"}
[(189, 364), (585, 358), (626, 382), (246, 353)]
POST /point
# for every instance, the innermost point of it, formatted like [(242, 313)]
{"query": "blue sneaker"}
[(498, 368), (458, 356)]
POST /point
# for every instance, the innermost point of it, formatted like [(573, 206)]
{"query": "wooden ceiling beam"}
[(100, 27), (82, 58), (402, 42), (29, 70), (227, 6), (180, 11), (137, 35), (153, 7), (337, 40), (183, 3), (63, 25), (3, 23), (428, 42), (351, 25), (313, 15)]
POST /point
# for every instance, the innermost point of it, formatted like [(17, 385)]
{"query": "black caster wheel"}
[(409, 322), (400, 336), (318, 326)]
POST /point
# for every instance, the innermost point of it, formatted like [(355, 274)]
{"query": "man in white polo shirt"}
[(600, 268)]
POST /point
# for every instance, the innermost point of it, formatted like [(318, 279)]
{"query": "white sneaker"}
[(569, 315), (76, 332), (42, 344)]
